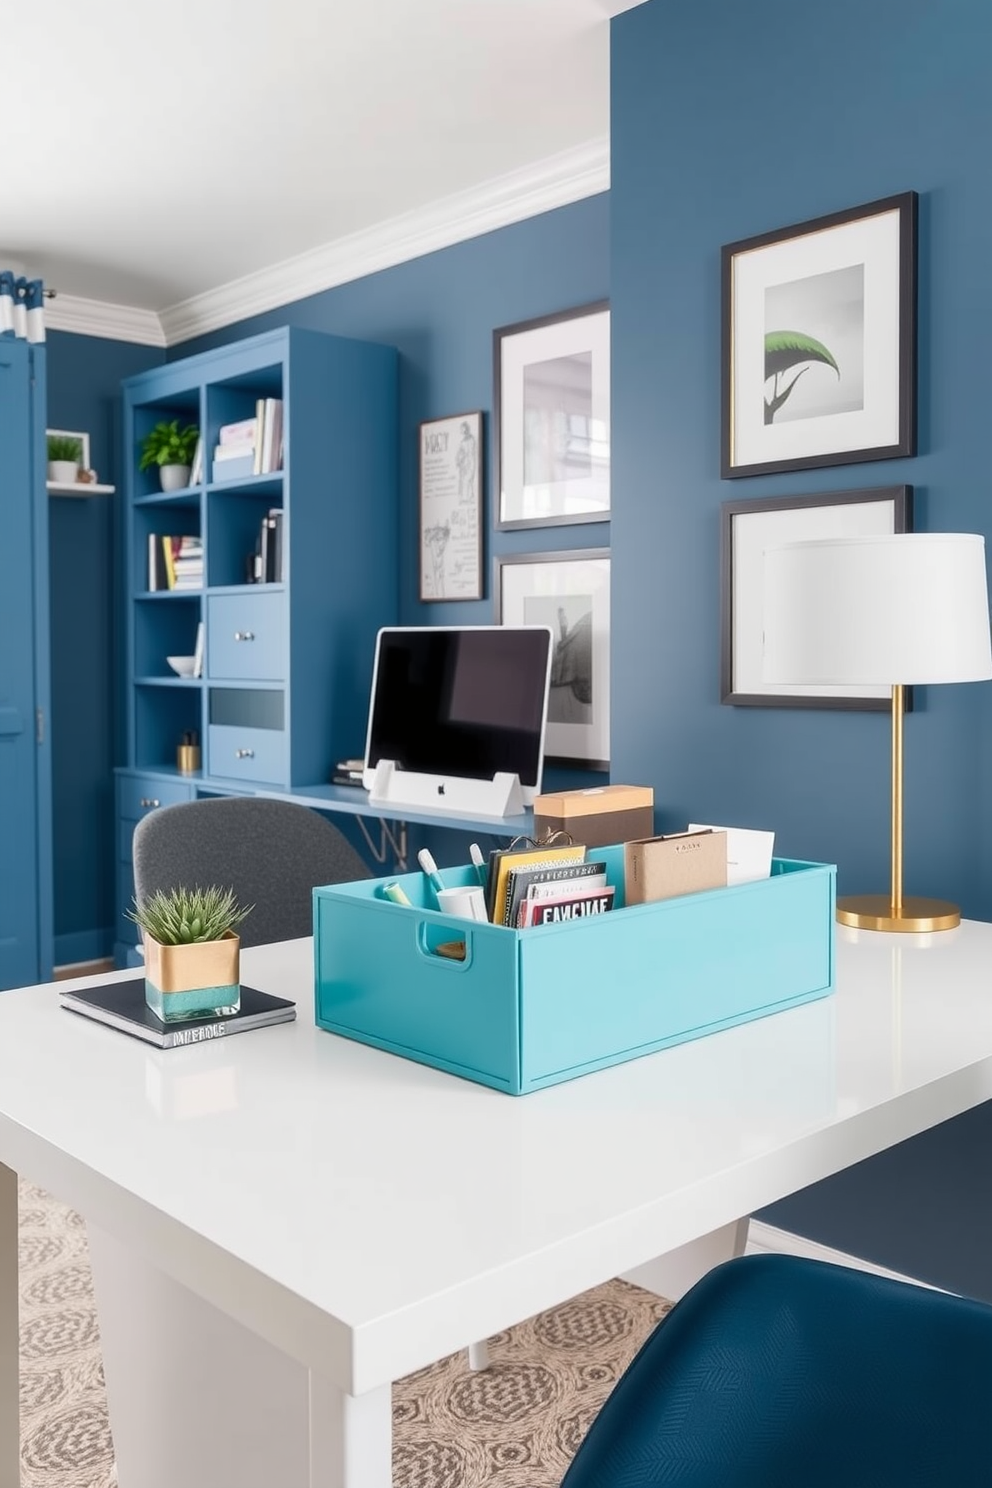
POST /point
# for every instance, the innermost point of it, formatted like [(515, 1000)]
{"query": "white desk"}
[(366, 1215)]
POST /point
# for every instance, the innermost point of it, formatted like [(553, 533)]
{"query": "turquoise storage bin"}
[(529, 1008)]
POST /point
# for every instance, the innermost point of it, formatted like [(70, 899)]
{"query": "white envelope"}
[(749, 853)]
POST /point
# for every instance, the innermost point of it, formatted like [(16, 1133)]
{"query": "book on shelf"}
[(196, 469), (174, 562), (198, 650), (242, 432), (224, 452), (122, 1005)]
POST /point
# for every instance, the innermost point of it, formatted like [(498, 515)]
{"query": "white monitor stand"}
[(501, 796)]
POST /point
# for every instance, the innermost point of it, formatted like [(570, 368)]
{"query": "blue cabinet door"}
[(25, 800)]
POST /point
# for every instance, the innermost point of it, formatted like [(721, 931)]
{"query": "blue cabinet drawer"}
[(139, 794), (246, 637), (246, 754)]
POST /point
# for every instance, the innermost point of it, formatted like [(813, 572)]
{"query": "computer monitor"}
[(461, 701)]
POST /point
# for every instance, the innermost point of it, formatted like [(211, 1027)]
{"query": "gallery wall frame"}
[(819, 341), (747, 528), (551, 419), (451, 505), (570, 591)]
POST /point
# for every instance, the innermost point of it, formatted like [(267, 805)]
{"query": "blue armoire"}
[(26, 931)]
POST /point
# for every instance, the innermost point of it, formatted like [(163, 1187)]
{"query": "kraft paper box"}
[(599, 816), (683, 863)]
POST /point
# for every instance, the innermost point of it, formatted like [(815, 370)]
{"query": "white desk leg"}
[(672, 1275), (198, 1401), (10, 1421), (351, 1437), (478, 1355)]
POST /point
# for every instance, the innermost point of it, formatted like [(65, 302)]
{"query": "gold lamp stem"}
[(897, 716), (891, 911)]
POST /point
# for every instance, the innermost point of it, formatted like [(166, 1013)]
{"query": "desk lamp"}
[(890, 610)]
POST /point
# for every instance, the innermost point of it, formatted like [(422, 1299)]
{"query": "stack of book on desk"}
[(348, 772)]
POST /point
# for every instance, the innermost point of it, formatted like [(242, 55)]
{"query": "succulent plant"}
[(187, 916), (65, 447)]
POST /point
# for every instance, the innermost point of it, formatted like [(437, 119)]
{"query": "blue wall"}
[(441, 311), (729, 120), (84, 381)]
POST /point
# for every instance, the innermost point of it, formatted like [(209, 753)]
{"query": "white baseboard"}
[(766, 1239)]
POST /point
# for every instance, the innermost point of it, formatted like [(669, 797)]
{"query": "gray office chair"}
[(272, 853)]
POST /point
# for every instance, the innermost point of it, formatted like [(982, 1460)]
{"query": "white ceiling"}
[(153, 155)]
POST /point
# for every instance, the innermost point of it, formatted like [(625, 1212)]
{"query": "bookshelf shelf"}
[(288, 662)]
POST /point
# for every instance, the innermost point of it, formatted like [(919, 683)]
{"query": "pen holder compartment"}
[(533, 1007)]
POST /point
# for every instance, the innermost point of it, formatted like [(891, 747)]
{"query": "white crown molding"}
[(97, 318), (553, 182)]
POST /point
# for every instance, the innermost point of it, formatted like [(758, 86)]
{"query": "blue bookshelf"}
[(284, 690)]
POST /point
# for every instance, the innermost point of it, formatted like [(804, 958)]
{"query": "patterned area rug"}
[(514, 1425)]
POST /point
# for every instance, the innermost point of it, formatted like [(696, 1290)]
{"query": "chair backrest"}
[(272, 853), (780, 1372)]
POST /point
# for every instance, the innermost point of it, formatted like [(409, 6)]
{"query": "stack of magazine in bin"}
[(546, 886)]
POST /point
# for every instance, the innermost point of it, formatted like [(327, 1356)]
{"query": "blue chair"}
[(776, 1372)]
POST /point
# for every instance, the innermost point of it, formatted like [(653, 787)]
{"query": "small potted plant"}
[(65, 455), (171, 448), (192, 954)]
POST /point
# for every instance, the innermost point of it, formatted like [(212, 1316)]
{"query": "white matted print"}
[(748, 528), (551, 416), (820, 341), (451, 507), (571, 593)]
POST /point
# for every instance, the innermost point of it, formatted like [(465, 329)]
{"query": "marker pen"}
[(395, 892), (429, 866), (475, 853)]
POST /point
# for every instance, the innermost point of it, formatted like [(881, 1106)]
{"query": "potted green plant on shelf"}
[(171, 448), (65, 455), (192, 954)]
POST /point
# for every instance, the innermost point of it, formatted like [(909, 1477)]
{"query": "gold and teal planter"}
[(193, 981)]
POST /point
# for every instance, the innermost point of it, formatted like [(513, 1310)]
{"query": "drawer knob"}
[(244, 635), (244, 754), (149, 801)]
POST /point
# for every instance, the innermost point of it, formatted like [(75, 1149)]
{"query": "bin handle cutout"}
[(437, 939)]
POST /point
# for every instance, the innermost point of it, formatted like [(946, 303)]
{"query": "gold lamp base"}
[(875, 912)]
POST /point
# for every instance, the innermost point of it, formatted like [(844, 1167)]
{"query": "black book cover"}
[(122, 1005)]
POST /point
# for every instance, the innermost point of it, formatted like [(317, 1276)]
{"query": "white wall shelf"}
[(79, 488)]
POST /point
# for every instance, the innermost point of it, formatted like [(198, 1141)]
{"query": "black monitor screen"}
[(465, 701)]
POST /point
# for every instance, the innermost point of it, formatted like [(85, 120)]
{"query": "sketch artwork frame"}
[(747, 528), (551, 419), (842, 290), (566, 587), (450, 502)]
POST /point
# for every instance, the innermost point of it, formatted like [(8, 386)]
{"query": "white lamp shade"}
[(901, 608)]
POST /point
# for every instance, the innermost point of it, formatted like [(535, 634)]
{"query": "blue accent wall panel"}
[(729, 120), (84, 393)]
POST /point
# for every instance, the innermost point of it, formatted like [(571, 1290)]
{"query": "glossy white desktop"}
[(285, 1222)]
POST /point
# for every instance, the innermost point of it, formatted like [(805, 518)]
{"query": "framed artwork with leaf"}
[(819, 341)]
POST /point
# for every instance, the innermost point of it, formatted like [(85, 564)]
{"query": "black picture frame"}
[(570, 591), (744, 528), (450, 476), (850, 277), (551, 412)]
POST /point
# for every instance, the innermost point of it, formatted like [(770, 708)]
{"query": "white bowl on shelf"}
[(183, 666)]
